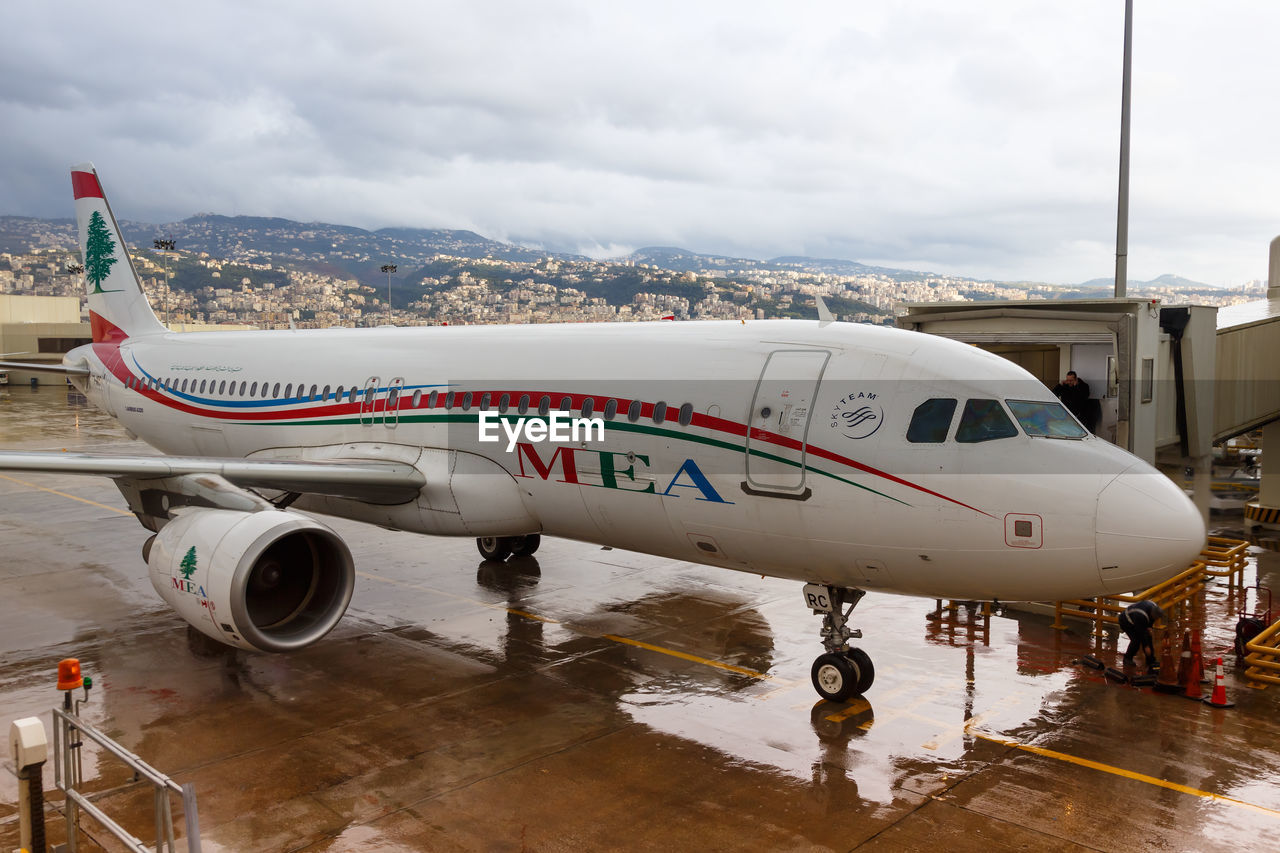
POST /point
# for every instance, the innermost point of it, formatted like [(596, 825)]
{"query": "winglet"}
[(824, 313)]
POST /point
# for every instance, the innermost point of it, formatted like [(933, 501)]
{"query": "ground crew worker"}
[(1136, 621)]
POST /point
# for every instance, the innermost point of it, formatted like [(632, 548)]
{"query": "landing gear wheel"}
[(843, 671), (496, 548), (524, 546), (866, 670), (835, 677)]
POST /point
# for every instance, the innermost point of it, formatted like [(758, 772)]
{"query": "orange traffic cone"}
[(1190, 679), (1184, 660), (1197, 656), (1218, 698), (1167, 682)]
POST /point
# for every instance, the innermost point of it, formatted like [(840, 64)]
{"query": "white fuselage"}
[(793, 459)]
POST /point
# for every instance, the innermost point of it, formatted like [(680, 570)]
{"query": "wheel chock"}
[(1147, 680), (1116, 675), (1093, 663)]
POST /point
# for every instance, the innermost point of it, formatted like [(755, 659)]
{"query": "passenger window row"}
[(660, 413)]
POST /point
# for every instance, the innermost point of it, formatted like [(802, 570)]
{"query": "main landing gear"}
[(498, 548), (844, 671)]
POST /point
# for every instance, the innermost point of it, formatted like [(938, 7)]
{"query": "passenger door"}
[(778, 421)]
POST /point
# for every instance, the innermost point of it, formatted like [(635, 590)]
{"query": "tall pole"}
[(1122, 212), (388, 269), (164, 247)]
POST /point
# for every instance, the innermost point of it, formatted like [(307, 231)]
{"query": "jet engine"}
[(272, 581)]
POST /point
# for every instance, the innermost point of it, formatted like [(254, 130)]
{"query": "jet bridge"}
[(1247, 394)]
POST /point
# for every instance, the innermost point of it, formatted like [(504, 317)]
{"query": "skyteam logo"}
[(554, 427), (857, 415)]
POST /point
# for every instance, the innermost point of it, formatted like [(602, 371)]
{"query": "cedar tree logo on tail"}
[(99, 253)]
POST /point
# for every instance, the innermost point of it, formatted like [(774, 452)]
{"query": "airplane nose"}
[(1147, 530)]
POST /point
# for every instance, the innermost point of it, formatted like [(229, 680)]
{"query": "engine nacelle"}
[(272, 581)]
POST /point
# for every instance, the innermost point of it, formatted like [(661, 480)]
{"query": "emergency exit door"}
[(778, 423)]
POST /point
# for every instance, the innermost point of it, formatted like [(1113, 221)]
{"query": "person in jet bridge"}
[(1136, 621)]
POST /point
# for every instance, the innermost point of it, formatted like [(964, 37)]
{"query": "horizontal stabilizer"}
[(45, 367)]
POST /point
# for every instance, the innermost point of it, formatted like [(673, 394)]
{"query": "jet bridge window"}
[(931, 420), (984, 420), (1048, 420)]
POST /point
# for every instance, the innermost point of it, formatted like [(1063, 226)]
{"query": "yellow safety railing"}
[(1220, 558), (1263, 658), (1225, 558), (1171, 595)]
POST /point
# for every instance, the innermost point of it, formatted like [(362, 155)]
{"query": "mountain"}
[(1176, 282)]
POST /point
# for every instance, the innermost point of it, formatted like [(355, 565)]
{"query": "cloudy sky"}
[(976, 138)]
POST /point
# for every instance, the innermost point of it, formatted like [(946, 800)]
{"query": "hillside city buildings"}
[(244, 287)]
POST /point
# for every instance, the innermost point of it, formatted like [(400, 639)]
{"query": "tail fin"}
[(118, 308)]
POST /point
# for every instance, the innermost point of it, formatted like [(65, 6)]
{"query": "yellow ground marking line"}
[(950, 733), (857, 706), (686, 656), (1127, 774), (550, 621), (116, 510)]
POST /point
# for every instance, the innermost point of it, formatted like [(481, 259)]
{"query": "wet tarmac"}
[(589, 699)]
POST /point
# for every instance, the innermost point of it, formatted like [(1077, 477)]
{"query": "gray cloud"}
[(979, 140)]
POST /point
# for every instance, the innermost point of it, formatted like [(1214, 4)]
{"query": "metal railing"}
[(1220, 558), (67, 730), (1225, 558), (1172, 596), (1263, 658)]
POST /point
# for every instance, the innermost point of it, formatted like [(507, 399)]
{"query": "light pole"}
[(1122, 204), (164, 247), (388, 269)]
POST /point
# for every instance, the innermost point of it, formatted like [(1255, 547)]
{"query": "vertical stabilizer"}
[(118, 308)]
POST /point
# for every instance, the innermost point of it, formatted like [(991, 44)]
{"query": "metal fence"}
[(68, 731)]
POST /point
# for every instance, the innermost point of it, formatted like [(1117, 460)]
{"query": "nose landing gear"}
[(844, 670)]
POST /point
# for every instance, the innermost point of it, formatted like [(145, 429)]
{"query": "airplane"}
[(846, 457)]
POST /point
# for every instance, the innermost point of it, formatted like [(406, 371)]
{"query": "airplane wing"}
[(45, 367), (375, 481)]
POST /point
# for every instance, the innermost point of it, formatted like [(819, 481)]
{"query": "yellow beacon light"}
[(69, 674)]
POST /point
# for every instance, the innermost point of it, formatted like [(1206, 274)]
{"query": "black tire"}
[(866, 670), (495, 548), (525, 546), (835, 677)]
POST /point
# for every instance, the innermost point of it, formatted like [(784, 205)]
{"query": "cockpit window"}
[(1049, 420), (984, 420), (931, 420)]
